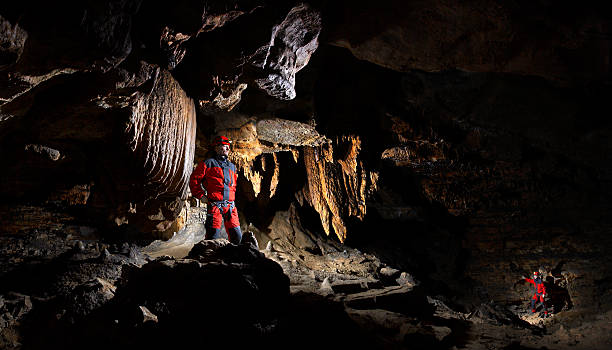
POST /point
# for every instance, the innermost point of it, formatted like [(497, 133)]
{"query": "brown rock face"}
[(43, 41), (337, 184), (77, 94), (292, 43), (264, 48), (548, 39), (168, 31), (288, 132), (161, 134), (11, 42)]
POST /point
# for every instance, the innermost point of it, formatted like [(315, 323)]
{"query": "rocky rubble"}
[(113, 292), (117, 295), (397, 314)]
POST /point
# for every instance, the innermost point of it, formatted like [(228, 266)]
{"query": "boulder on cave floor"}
[(121, 300), (218, 291)]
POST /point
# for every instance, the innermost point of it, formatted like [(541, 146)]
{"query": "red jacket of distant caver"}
[(538, 284), (217, 176)]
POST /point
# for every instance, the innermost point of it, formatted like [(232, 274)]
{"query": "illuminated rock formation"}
[(337, 183)]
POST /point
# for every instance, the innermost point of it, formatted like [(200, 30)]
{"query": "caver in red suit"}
[(216, 178), (540, 291)]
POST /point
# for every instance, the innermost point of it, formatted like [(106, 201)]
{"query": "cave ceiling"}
[(420, 90)]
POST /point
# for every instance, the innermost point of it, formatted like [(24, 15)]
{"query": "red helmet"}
[(221, 140), (536, 273)]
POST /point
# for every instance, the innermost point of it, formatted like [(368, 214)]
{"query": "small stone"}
[(389, 271), (106, 285), (105, 255), (133, 253), (441, 332), (147, 315), (326, 284), (125, 249), (406, 279), (79, 246)]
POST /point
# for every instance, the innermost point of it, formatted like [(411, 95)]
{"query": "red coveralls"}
[(216, 178), (540, 292)]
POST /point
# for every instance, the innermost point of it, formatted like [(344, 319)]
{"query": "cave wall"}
[(481, 175), (95, 96), (490, 139)]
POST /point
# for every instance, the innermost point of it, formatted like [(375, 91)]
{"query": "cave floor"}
[(402, 313), (392, 306), (388, 306)]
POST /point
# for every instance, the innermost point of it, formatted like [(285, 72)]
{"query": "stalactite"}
[(336, 183)]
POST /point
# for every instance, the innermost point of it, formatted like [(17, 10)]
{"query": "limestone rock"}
[(288, 132), (143, 301), (161, 135), (291, 44), (264, 47), (240, 273), (349, 286), (406, 279), (14, 307), (12, 40), (223, 103), (499, 39), (89, 296), (337, 183), (147, 316), (396, 328), (257, 140), (168, 31), (326, 288), (389, 271), (54, 40)]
